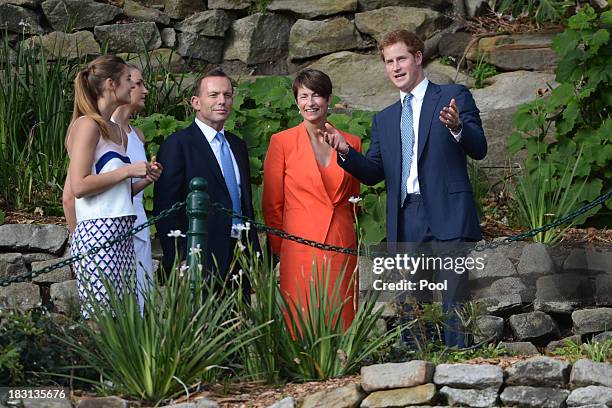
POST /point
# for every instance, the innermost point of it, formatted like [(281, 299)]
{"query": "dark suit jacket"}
[(187, 154), (442, 166)]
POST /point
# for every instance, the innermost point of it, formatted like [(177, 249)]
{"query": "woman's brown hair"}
[(313, 79), (89, 85)]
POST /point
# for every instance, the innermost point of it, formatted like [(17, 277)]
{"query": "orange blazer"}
[(294, 196)]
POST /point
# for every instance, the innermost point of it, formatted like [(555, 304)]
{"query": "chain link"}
[(304, 241)]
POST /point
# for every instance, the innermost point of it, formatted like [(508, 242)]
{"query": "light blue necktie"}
[(230, 176), (407, 134)]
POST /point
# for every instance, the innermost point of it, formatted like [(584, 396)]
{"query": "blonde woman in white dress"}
[(136, 152)]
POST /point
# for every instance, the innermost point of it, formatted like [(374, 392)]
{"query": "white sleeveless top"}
[(116, 201), (136, 153)]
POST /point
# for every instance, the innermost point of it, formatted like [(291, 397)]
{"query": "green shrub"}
[(579, 111), (30, 352), (482, 71), (186, 335)]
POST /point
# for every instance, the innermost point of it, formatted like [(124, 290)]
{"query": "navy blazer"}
[(187, 154), (442, 167)]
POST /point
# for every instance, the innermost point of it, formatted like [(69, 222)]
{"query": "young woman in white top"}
[(99, 177), (136, 152)]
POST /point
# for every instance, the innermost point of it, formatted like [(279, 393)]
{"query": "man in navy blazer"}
[(419, 147), (205, 149)]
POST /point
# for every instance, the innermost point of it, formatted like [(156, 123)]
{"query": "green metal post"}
[(197, 212)]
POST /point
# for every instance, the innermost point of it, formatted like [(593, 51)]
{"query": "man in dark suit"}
[(419, 147), (205, 149)]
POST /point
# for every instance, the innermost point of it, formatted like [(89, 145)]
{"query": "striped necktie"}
[(407, 136)]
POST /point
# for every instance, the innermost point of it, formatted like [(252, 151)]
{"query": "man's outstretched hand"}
[(449, 115), (333, 138)]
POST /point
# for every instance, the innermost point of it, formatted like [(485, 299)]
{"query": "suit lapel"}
[(430, 101), (395, 135), (209, 156), (311, 167)]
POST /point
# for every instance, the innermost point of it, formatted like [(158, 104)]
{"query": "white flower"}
[(240, 272), (182, 270), (176, 234), (257, 254), (354, 199), (195, 250), (24, 24), (297, 360), (241, 246), (235, 278), (242, 227)]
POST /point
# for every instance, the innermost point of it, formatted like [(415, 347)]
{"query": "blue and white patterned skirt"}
[(116, 263)]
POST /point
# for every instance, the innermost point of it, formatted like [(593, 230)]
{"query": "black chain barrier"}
[(478, 248), (304, 241)]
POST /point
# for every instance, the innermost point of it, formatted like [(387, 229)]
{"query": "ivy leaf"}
[(570, 114), (583, 19), (524, 119), (601, 37), (606, 19), (561, 95), (565, 42), (603, 155), (515, 143)]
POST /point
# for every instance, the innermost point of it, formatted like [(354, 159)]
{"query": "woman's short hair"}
[(313, 79)]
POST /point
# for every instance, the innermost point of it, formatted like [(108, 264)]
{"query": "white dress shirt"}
[(418, 93), (210, 135)]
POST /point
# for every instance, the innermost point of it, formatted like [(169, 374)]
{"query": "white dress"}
[(101, 217), (142, 240)]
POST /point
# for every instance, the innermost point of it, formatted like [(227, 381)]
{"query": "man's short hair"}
[(313, 79), (217, 72), (412, 41)]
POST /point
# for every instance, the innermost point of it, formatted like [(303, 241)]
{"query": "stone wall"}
[(339, 37), (536, 382), (533, 294)]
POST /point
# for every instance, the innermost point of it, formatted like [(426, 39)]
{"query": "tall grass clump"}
[(305, 346), (187, 334), (36, 97)]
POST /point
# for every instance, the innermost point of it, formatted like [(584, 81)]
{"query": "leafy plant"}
[(35, 108), (596, 351), (187, 334), (169, 92), (306, 345), (541, 199), (448, 60), (482, 71), (29, 351), (578, 110)]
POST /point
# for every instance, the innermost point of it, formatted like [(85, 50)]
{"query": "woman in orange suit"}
[(307, 194)]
